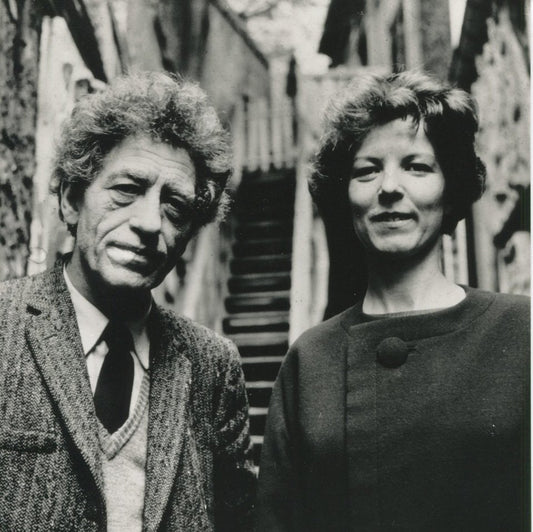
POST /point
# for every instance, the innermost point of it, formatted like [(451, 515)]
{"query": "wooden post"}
[(20, 23)]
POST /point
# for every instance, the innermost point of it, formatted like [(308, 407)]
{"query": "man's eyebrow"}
[(131, 175)]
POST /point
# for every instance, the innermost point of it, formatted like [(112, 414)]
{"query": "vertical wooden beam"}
[(20, 23), (413, 37), (143, 46), (377, 25)]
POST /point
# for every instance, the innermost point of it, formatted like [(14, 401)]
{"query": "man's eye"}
[(365, 173), (124, 192), (177, 212)]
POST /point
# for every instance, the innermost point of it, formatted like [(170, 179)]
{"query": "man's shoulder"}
[(13, 291), (13, 286), (36, 287), (200, 340), (17, 297)]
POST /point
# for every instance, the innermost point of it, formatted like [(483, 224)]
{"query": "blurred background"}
[(273, 268)]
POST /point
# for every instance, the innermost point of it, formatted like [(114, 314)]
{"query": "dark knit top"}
[(438, 443)]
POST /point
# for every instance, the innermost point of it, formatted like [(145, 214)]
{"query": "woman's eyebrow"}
[(425, 155), (366, 159)]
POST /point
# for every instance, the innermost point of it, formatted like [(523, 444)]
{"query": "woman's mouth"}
[(392, 216)]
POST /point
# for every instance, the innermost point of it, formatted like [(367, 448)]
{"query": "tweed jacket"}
[(439, 443), (198, 476)]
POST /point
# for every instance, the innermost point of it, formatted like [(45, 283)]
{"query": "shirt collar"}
[(92, 322)]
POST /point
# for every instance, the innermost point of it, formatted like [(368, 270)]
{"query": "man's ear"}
[(70, 203)]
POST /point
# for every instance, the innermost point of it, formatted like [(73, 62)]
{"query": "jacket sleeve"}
[(235, 479), (278, 505)]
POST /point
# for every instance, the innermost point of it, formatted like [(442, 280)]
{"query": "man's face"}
[(134, 219)]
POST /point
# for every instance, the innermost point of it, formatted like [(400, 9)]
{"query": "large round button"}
[(392, 352)]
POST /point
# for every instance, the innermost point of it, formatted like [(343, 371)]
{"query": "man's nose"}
[(146, 215)]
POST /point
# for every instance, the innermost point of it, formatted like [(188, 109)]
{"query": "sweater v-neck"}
[(111, 444)]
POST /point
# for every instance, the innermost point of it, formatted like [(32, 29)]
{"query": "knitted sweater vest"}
[(123, 463)]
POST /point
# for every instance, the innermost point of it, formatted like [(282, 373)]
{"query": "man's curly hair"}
[(449, 119), (153, 104)]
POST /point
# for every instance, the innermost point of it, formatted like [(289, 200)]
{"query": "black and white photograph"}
[(265, 266)]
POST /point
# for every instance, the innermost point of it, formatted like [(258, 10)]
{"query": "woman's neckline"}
[(404, 313), (428, 322), (445, 296)]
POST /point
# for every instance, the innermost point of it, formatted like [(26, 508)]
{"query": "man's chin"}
[(131, 280)]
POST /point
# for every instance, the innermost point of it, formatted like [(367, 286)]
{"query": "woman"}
[(408, 411)]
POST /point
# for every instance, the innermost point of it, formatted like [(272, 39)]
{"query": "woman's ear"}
[(69, 203)]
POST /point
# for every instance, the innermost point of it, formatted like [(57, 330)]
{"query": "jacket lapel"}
[(170, 376), (53, 337)]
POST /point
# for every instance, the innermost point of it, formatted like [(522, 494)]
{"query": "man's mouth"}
[(128, 255)]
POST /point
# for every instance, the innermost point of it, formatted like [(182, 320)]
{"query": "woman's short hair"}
[(160, 106), (450, 121)]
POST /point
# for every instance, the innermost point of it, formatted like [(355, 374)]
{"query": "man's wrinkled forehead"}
[(146, 162)]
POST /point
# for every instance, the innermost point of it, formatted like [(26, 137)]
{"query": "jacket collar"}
[(53, 337), (55, 343)]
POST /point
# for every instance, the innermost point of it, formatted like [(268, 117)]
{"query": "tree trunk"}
[(20, 23)]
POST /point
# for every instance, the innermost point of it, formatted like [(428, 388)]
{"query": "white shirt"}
[(91, 324)]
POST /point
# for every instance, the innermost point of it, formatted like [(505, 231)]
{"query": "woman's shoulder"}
[(508, 313), (329, 332), (501, 302)]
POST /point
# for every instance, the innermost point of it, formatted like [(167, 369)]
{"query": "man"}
[(114, 413)]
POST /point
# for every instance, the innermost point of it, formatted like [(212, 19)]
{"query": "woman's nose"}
[(390, 181), (390, 189), (146, 215)]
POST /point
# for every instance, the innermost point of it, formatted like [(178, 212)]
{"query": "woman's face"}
[(396, 191)]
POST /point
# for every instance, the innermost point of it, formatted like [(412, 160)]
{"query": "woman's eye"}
[(365, 173), (420, 168)]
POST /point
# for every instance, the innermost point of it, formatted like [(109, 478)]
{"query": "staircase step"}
[(260, 345), (259, 392), (257, 420), (257, 444), (261, 368), (264, 209), (269, 186), (264, 229), (252, 191), (256, 322), (259, 282), (263, 246), (260, 339), (272, 176), (261, 264), (258, 301)]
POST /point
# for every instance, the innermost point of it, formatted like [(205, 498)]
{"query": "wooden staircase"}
[(258, 302)]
